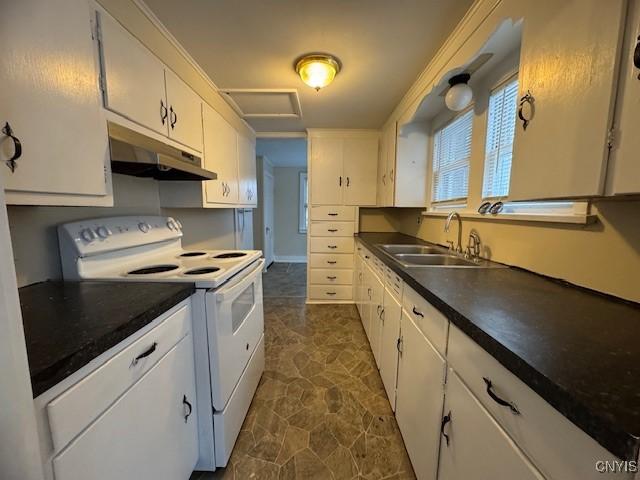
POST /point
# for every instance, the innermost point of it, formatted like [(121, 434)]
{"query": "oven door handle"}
[(238, 286)]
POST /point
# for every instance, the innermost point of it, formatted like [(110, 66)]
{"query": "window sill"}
[(573, 219)]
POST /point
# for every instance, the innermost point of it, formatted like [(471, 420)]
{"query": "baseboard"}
[(290, 258)]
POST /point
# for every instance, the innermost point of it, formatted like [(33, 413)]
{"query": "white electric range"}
[(228, 318)]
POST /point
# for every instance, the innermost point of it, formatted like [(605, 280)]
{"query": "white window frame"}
[(303, 202)]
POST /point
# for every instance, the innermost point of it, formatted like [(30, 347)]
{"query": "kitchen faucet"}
[(458, 248), (473, 247)]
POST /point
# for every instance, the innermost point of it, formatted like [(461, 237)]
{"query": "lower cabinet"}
[(474, 445), (420, 395), (391, 313), (375, 314), (149, 433)]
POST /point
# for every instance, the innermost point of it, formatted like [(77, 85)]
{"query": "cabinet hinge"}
[(611, 137)]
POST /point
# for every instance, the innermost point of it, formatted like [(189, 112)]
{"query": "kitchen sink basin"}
[(413, 249), (417, 260)]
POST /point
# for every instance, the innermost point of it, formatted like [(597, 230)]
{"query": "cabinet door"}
[(247, 171), (220, 156), (360, 168), (133, 78), (420, 395), (185, 112), (367, 276), (377, 304), (150, 432), (389, 345), (624, 165), (568, 63), (390, 178), (358, 279), (478, 448), (326, 171), (50, 98), (382, 170)]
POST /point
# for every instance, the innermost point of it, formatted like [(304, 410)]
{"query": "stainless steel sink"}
[(413, 249), (413, 260)]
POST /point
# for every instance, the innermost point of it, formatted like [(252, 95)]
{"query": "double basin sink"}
[(431, 256)]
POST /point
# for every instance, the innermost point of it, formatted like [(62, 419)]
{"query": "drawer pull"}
[(417, 312), (331, 262), (332, 247), (188, 408), (332, 214), (331, 293), (446, 419), (145, 354), (331, 277), (332, 230), (499, 400)]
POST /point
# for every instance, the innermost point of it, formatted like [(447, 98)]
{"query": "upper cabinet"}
[(51, 101), (568, 74), (220, 156), (248, 193), (343, 168), (139, 87)]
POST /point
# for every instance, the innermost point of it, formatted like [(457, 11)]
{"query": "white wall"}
[(288, 241)]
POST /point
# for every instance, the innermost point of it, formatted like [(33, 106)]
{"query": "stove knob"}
[(179, 224), (144, 227), (103, 232), (171, 225), (88, 235)]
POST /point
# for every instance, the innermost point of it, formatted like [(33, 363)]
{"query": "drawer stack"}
[(331, 247)]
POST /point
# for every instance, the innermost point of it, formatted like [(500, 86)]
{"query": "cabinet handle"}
[(331, 277), (163, 112), (340, 181), (188, 408), (499, 400), (332, 230), (332, 247), (367, 257), (331, 293), (446, 419), (332, 214), (417, 312), (348, 181), (382, 314), (145, 354), (17, 147), (526, 99), (174, 117), (636, 56), (331, 262), (384, 179), (399, 345)]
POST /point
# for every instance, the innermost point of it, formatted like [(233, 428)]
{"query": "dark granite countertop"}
[(578, 349), (68, 324)]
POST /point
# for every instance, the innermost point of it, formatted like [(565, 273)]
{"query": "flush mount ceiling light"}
[(317, 69), (459, 96)]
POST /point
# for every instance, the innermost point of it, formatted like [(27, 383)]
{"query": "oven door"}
[(235, 323)]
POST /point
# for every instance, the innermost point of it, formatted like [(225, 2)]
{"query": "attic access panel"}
[(264, 103)]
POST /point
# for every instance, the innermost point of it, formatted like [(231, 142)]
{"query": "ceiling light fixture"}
[(459, 96), (317, 69)]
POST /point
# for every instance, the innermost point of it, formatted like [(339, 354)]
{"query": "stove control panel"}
[(100, 235)]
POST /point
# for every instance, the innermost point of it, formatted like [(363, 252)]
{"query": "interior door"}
[(185, 112), (267, 203), (568, 64), (326, 171), (478, 448), (360, 170), (133, 77), (220, 156), (150, 432), (389, 345), (420, 395), (247, 171)]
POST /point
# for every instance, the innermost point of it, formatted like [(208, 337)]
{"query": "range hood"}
[(135, 154)]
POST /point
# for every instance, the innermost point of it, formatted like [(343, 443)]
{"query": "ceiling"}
[(283, 152), (383, 46)]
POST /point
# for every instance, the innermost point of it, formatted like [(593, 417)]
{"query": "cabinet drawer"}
[(557, 447), (330, 260), (77, 407), (393, 282), (331, 244), (430, 321), (324, 276), (332, 229), (330, 292), (325, 212)]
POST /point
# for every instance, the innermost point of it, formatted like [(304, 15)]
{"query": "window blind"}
[(501, 126), (451, 153)]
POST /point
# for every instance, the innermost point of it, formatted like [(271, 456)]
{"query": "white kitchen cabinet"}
[(359, 170), (568, 64), (185, 112), (624, 168), (386, 166), (367, 301), (375, 314), (326, 171), (391, 314), (220, 156), (359, 283), (51, 100), (419, 399), (133, 78), (477, 448), (248, 187), (150, 432)]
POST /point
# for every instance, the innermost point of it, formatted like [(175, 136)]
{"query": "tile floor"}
[(320, 411)]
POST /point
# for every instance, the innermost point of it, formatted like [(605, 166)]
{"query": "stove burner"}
[(192, 254), (201, 271), (230, 255), (154, 269)]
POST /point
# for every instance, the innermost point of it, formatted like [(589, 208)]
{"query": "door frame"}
[(268, 255)]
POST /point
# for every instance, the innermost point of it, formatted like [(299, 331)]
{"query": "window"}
[(303, 215), (451, 153), (501, 128)]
